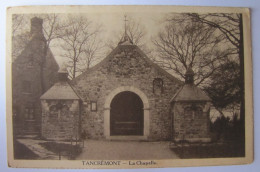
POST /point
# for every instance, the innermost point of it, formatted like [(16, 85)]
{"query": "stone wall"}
[(191, 121), (126, 66), (62, 125)]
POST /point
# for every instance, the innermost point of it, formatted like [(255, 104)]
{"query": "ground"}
[(210, 150), (33, 145), (108, 150), (104, 150), (29, 148)]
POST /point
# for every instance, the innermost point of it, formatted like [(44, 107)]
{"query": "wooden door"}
[(126, 114)]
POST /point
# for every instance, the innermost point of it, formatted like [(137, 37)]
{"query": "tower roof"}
[(189, 72), (189, 76), (125, 40), (190, 93)]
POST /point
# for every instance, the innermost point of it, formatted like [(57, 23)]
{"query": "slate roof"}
[(190, 92), (61, 91)]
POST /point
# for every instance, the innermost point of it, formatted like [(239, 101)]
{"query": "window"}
[(26, 87), (29, 113), (158, 86), (93, 106)]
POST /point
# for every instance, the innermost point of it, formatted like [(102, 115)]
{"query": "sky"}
[(112, 26)]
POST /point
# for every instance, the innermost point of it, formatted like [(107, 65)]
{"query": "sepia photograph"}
[(128, 86)]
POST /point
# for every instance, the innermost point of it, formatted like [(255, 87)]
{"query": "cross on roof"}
[(125, 23), (125, 38)]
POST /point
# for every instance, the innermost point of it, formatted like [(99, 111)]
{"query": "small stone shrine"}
[(60, 110), (190, 109)]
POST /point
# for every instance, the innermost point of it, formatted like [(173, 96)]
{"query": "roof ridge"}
[(97, 65), (147, 59), (143, 56)]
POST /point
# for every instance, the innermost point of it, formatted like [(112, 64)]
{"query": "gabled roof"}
[(61, 91), (190, 92), (142, 56)]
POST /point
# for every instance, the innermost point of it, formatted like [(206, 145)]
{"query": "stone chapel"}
[(128, 97), (125, 97)]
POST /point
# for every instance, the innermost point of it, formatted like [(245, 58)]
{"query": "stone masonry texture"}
[(126, 66), (64, 124)]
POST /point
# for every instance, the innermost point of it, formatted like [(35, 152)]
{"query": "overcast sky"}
[(113, 25)]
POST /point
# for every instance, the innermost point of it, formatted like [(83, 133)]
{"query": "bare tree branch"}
[(81, 43), (183, 44)]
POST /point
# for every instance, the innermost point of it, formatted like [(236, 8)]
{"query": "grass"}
[(225, 150), (72, 151), (22, 152)]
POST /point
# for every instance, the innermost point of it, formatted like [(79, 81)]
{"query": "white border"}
[(253, 4)]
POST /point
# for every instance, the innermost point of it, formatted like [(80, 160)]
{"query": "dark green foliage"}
[(220, 127), (227, 130), (224, 88)]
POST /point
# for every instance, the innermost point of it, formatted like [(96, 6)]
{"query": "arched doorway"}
[(146, 114), (126, 115)]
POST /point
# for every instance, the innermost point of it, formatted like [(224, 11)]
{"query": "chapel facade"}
[(128, 97), (124, 97)]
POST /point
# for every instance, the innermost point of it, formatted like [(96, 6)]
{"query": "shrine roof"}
[(190, 92), (60, 91)]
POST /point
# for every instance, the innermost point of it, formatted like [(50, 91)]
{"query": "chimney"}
[(36, 26)]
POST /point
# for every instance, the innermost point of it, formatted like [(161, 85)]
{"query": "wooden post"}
[(59, 154), (182, 146)]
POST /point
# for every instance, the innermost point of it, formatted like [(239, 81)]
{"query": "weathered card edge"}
[(249, 158)]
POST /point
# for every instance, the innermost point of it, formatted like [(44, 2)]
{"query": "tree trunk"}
[(242, 76)]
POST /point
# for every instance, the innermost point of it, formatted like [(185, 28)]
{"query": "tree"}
[(19, 37), (17, 22), (53, 26), (92, 53), (188, 44), (135, 30), (19, 42), (80, 43), (224, 87), (231, 28)]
